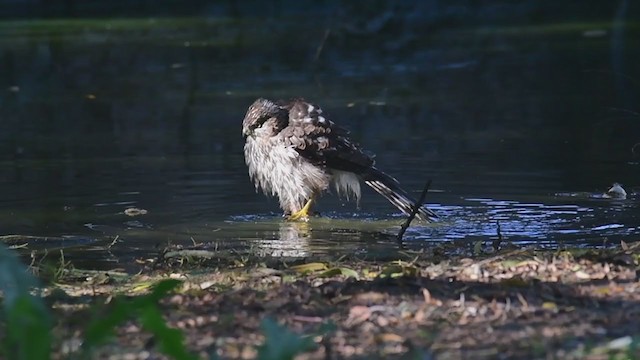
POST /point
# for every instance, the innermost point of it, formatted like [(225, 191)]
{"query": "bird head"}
[(258, 113)]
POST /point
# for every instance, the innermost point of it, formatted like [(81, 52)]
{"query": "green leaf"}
[(28, 322), (339, 271), (280, 343), (398, 269), (170, 341), (477, 247), (28, 325), (102, 328)]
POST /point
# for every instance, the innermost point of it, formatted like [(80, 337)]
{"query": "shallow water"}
[(524, 127), (190, 203)]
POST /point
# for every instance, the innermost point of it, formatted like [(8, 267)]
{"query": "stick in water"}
[(414, 211)]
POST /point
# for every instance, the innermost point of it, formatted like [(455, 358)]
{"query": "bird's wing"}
[(324, 143), (321, 141)]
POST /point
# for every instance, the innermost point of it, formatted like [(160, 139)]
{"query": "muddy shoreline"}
[(514, 303)]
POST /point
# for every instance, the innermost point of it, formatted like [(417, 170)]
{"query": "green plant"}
[(170, 341), (280, 343), (26, 317), (27, 321)]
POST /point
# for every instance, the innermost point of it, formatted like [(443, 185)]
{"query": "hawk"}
[(295, 153)]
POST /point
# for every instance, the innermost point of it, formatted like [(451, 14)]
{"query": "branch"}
[(198, 254), (414, 211)]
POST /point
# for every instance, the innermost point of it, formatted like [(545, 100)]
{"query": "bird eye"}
[(261, 120)]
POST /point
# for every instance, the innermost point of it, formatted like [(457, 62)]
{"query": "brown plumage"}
[(294, 152)]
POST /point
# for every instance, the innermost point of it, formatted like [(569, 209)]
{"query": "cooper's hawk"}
[(295, 153)]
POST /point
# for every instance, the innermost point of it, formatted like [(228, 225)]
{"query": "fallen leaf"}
[(624, 245), (426, 295), (477, 247), (339, 271), (527, 263), (515, 282), (382, 321), (398, 269), (389, 337), (370, 297), (358, 314), (620, 343), (582, 275), (309, 267)]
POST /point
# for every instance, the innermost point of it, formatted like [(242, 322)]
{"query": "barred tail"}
[(388, 187)]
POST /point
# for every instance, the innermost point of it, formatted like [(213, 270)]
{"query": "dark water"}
[(525, 126)]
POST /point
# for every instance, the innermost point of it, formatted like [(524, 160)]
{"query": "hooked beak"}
[(248, 132)]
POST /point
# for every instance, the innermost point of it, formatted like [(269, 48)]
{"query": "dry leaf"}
[(310, 267), (582, 275), (358, 314), (427, 295), (624, 245), (390, 337)]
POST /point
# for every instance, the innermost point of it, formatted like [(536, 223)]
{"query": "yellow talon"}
[(303, 214)]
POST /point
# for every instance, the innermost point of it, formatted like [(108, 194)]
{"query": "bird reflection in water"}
[(292, 241)]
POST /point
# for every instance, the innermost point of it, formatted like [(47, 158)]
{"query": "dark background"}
[(518, 73), (110, 104)]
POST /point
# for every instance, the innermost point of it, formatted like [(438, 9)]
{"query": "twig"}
[(414, 211), (321, 46), (496, 243), (115, 240), (198, 254)]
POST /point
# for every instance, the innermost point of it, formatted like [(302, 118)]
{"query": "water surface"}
[(521, 126)]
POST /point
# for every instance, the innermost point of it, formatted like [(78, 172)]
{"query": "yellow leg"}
[(303, 214)]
